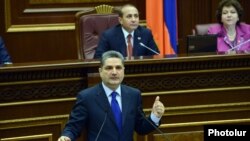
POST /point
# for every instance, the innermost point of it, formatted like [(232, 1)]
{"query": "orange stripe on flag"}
[(155, 22)]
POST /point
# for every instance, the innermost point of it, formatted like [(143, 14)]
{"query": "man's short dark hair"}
[(111, 54), (120, 13)]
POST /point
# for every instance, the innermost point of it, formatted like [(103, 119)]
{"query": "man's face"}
[(130, 18), (112, 72)]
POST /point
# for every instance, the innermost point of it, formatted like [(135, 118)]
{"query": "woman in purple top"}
[(233, 36)]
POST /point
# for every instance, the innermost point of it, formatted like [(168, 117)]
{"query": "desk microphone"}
[(239, 45), (99, 132), (164, 134), (148, 48)]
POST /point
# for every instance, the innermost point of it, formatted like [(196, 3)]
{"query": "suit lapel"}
[(137, 40), (101, 98), (121, 40), (103, 102), (125, 104)]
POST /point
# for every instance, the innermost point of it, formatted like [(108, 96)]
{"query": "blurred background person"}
[(4, 55), (233, 35), (128, 37)]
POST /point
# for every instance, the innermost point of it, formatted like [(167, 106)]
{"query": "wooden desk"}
[(35, 99)]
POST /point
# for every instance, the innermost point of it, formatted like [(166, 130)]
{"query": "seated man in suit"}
[(128, 37), (4, 56)]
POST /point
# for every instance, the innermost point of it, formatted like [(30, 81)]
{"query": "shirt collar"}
[(125, 33), (108, 91)]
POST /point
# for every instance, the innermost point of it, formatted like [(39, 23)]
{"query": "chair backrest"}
[(90, 25), (202, 29)]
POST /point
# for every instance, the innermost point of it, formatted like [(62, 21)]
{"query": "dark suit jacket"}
[(4, 56), (113, 39), (92, 106)]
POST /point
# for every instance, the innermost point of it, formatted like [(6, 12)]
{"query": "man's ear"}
[(120, 20)]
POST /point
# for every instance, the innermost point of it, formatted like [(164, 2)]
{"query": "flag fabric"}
[(161, 18)]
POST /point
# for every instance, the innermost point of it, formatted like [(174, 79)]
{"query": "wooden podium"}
[(36, 98)]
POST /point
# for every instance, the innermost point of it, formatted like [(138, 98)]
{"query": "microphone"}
[(239, 45), (164, 134), (149, 48), (99, 132)]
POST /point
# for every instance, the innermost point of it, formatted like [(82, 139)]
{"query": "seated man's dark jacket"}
[(113, 39)]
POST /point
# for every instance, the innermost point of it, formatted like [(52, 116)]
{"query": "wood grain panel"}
[(44, 30), (41, 46), (26, 12), (69, 1), (36, 128), (196, 91), (42, 137), (181, 136)]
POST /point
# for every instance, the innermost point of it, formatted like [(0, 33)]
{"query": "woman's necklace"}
[(231, 35)]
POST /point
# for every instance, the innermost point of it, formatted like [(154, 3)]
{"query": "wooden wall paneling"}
[(182, 136), (29, 40), (36, 128), (214, 7), (195, 90), (37, 108), (245, 5), (41, 46), (2, 20), (190, 13), (26, 22), (46, 12), (44, 30)]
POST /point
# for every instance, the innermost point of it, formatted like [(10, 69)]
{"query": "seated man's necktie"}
[(129, 47)]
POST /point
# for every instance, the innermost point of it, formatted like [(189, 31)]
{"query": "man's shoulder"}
[(113, 29), (129, 88), (143, 32), (91, 90), (143, 29)]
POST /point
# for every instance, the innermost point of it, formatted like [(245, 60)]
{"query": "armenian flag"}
[(161, 18)]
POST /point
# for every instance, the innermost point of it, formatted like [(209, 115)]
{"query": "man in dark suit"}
[(94, 108), (4, 55), (116, 39)]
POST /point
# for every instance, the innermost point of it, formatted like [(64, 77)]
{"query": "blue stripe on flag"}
[(170, 19)]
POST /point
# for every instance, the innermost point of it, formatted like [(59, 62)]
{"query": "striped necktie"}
[(130, 47)]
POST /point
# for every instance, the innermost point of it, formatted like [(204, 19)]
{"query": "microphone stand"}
[(239, 45), (164, 134), (101, 126), (149, 48)]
